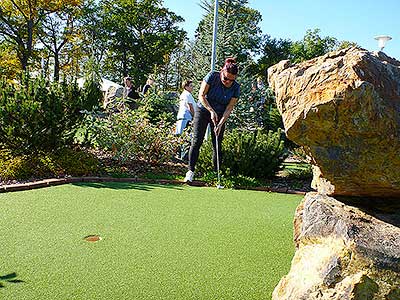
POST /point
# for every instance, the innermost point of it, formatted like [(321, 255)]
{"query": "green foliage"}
[(18, 167), (91, 88), (297, 170), (274, 50), (300, 154), (21, 22), (9, 64), (39, 115), (44, 164), (238, 36), (253, 154), (129, 135), (136, 36), (312, 45), (272, 119), (160, 106), (346, 44), (57, 32), (175, 70), (256, 108), (76, 162), (205, 162), (229, 181)]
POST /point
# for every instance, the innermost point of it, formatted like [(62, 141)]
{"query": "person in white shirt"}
[(187, 107)]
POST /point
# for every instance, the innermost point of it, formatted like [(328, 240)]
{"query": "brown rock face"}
[(344, 108), (343, 251)]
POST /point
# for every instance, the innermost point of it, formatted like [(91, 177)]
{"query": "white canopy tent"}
[(110, 89), (105, 84)]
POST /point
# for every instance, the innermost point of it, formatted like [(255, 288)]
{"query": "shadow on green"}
[(126, 186), (9, 278)]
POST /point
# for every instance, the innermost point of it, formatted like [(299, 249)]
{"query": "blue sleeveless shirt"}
[(218, 95)]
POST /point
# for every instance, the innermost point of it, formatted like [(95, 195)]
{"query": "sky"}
[(352, 20)]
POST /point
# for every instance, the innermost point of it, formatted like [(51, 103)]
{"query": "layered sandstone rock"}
[(344, 252), (344, 108)]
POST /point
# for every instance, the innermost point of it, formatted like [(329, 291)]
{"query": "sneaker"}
[(189, 176)]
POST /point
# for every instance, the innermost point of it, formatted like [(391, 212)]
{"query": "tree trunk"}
[(23, 57), (56, 66), (27, 51), (124, 64)]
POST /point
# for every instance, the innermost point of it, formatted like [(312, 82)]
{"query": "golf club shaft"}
[(217, 149)]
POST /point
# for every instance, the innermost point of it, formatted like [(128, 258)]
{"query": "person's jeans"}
[(202, 118), (181, 125)]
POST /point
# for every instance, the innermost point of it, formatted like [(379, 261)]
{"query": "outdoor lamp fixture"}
[(382, 39)]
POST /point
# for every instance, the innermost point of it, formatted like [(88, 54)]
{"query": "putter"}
[(219, 186)]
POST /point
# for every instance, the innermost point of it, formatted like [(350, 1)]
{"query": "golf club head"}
[(220, 186)]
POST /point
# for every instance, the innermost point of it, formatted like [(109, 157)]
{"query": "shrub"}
[(44, 165), (256, 109), (272, 119), (129, 135), (254, 154), (251, 154), (76, 162), (160, 106), (205, 162), (37, 115), (297, 171), (228, 180)]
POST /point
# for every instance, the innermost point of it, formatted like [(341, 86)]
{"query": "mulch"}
[(136, 172), (34, 184)]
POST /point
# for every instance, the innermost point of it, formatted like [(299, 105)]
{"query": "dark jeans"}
[(202, 118)]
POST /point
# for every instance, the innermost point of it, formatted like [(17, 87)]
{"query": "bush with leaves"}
[(255, 109), (254, 154), (205, 162), (229, 181), (297, 170), (65, 161), (38, 115), (129, 135), (160, 106)]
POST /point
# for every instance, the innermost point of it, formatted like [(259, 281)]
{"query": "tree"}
[(140, 33), (238, 35), (312, 45), (274, 51), (9, 63), (56, 30), (93, 37), (19, 20), (346, 44)]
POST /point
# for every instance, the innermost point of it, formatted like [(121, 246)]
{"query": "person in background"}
[(259, 104), (219, 92), (187, 106), (261, 87), (148, 85), (130, 93)]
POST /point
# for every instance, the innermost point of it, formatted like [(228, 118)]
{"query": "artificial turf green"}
[(158, 242)]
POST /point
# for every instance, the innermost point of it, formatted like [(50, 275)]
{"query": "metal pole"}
[(214, 42), (214, 51)]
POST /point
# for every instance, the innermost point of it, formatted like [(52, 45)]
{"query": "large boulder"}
[(344, 251), (344, 108)]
